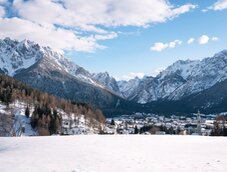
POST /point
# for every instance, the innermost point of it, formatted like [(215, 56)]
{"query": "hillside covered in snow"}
[(28, 112)]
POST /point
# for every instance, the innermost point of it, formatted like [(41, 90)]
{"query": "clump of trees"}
[(27, 112), (220, 128), (5, 125), (136, 130), (153, 129), (46, 120), (45, 116)]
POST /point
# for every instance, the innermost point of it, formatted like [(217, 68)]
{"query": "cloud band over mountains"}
[(80, 25)]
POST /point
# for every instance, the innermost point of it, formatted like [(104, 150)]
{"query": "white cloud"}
[(174, 43), (127, 12), (184, 9), (159, 46), (106, 37), (80, 24), (214, 38), (2, 11), (190, 40), (56, 38), (204, 39), (219, 5), (131, 75)]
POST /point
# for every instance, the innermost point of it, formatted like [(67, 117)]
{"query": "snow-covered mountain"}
[(127, 87), (49, 71), (16, 56), (108, 81), (181, 79)]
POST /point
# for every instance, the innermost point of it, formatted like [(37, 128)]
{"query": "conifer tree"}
[(112, 122), (136, 131), (27, 112)]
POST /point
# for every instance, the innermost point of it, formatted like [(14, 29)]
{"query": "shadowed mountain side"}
[(212, 100), (53, 81)]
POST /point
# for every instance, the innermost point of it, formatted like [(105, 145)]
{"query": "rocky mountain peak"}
[(180, 79), (15, 55), (108, 81)]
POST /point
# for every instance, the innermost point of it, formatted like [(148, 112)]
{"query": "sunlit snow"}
[(95, 153)]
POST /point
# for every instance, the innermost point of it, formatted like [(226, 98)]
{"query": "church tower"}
[(199, 131)]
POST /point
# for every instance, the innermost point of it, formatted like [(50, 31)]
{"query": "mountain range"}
[(49, 71), (188, 84), (181, 79)]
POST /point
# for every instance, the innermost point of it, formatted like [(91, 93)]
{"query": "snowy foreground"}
[(94, 153)]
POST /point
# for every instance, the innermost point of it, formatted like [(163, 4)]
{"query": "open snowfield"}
[(117, 153)]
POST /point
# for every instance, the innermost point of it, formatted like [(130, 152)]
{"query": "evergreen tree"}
[(112, 122), (136, 131), (27, 112), (55, 113)]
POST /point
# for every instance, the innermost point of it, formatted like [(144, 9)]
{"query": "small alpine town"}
[(197, 124)]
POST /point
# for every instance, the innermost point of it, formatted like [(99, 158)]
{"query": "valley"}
[(178, 89)]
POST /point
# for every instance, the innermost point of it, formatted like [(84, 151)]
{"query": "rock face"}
[(16, 56), (127, 87), (108, 81), (181, 79)]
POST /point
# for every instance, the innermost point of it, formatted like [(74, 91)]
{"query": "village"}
[(140, 123)]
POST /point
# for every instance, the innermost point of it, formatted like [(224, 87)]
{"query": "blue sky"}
[(117, 37)]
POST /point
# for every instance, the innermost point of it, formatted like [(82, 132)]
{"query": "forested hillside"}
[(45, 110)]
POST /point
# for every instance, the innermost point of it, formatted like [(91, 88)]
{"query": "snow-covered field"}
[(94, 153)]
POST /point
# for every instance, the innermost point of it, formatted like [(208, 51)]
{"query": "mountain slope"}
[(108, 81), (15, 55), (127, 88), (181, 79), (51, 72), (211, 100), (46, 114), (50, 79)]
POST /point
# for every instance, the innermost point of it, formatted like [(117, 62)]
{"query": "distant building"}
[(191, 128), (160, 132)]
